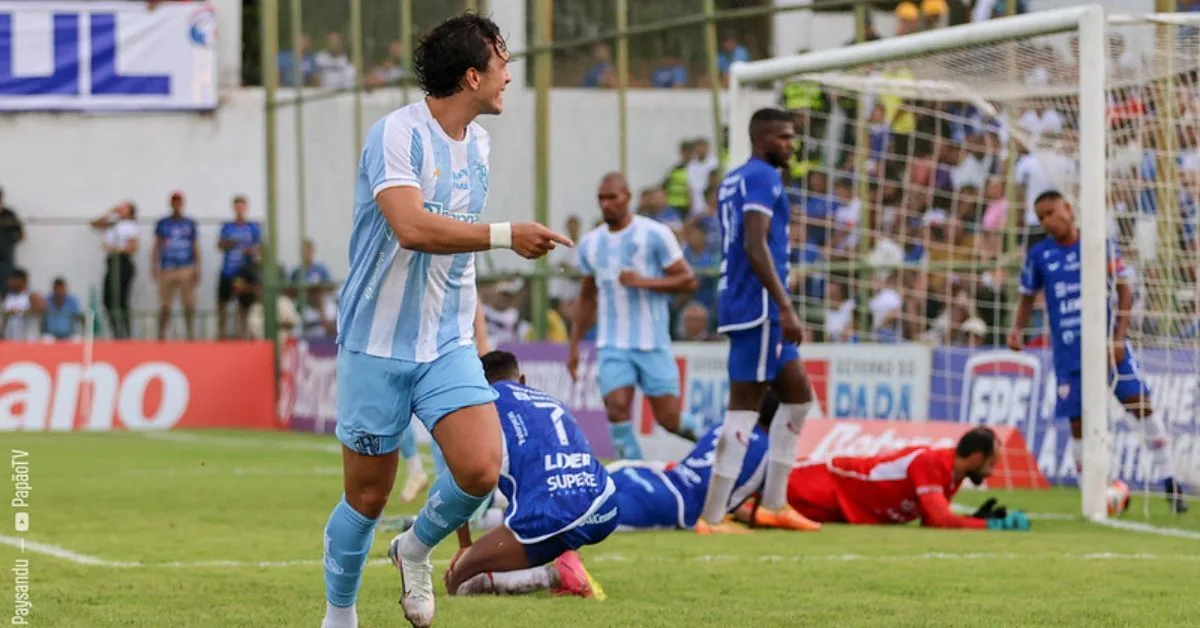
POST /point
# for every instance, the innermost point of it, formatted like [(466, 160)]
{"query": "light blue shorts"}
[(377, 397), (654, 371)]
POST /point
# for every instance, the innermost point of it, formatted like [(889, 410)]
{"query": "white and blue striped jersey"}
[(404, 304), (630, 318)]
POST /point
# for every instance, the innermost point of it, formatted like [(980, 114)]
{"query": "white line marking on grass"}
[(1146, 528), (239, 442), (238, 471), (26, 545)]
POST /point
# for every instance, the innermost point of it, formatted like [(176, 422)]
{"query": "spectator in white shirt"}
[(839, 313), (334, 68), (976, 166), (1040, 121), (1043, 170), (120, 243), (20, 311), (886, 311), (703, 162)]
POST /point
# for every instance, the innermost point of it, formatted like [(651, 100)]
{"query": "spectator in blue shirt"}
[(239, 240), (818, 209), (601, 73), (310, 272), (705, 261), (308, 66), (62, 317), (175, 265), (670, 74), (731, 52)]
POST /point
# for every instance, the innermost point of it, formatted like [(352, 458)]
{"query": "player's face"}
[(981, 469), (778, 142), (491, 84), (1055, 217), (614, 202)]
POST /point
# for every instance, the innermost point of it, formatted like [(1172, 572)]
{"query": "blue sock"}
[(447, 508), (348, 536), (408, 443), (624, 441)]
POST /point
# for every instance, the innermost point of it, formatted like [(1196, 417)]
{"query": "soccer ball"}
[(1118, 498)]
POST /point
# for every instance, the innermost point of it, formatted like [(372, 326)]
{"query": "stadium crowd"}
[(917, 238)]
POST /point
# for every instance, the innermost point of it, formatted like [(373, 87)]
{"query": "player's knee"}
[(368, 500), (617, 411), (479, 474)]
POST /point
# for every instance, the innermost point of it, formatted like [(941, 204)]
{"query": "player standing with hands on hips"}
[(755, 311), (409, 305), (1052, 266)]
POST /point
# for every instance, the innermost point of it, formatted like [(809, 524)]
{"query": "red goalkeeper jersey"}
[(897, 487)]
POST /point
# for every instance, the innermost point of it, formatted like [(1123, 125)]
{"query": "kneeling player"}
[(653, 495), (900, 486), (559, 498)]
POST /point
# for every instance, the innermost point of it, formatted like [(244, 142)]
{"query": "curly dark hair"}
[(445, 53)]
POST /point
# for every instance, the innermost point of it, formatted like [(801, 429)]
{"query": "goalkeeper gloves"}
[(989, 510), (1015, 520)]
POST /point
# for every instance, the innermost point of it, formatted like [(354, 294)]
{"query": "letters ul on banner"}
[(134, 385), (91, 56)]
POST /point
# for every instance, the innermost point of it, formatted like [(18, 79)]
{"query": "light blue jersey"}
[(630, 318), (404, 304)]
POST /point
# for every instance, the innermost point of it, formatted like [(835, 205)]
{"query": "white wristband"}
[(501, 235)]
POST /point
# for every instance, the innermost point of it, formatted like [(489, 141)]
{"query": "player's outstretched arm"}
[(581, 322), (936, 513), (427, 232), (1016, 335)]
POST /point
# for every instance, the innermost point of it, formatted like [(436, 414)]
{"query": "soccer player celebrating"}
[(408, 305), (1052, 266), (559, 498), (754, 310), (900, 486), (632, 266)]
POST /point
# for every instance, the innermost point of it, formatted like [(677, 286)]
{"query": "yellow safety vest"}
[(802, 96), (679, 193)]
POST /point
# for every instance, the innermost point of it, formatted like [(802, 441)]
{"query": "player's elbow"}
[(411, 237)]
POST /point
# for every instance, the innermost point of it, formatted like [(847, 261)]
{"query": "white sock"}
[(412, 548), (781, 452), (508, 582), (1158, 445), (492, 518), (414, 465), (731, 451), (336, 617)]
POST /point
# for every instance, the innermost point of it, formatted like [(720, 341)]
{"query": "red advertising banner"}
[(824, 438), (136, 385)]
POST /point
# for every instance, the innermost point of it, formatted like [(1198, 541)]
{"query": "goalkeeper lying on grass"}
[(896, 487)]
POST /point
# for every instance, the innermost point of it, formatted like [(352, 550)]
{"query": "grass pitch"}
[(223, 529)]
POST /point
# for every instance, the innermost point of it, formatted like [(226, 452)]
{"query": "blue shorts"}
[(1126, 382), (654, 371), (590, 531), (646, 499), (757, 354), (377, 397)]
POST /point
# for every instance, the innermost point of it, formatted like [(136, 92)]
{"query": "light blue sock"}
[(348, 535), (447, 508), (408, 443), (625, 442)]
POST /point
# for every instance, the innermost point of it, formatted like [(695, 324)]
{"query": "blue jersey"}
[(549, 475), (177, 242), (398, 303), (743, 301), (244, 235), (630, 318), (1053, 268)]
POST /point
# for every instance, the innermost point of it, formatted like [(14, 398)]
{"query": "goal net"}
[(917, 165)]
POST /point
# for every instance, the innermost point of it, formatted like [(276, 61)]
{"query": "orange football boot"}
[(785, 518), (727, 526)]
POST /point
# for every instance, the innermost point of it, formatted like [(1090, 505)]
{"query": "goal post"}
[(983, 65)]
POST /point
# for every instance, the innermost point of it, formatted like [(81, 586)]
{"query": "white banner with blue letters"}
[(106, 56)]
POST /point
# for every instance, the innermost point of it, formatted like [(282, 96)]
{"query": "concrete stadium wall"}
[(61, 170)]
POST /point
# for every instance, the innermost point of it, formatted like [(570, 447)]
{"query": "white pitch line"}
[(35, 547), (1147, 528), (242, 443)]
